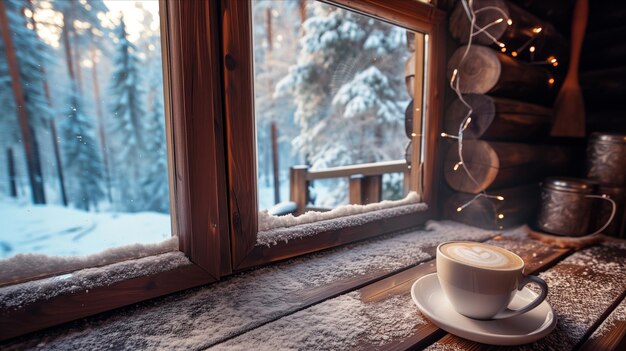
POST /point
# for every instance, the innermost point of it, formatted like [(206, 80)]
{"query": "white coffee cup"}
[(480, 280)]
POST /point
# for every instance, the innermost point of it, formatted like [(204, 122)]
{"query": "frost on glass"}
[(330, 91), (83, 164)]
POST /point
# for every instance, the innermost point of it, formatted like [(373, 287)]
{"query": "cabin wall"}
[(516, 136), (603, 67)]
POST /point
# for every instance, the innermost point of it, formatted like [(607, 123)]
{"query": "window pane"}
[(331, 90), (83, 147)]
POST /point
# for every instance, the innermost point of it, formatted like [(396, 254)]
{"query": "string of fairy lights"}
[(455, 85)]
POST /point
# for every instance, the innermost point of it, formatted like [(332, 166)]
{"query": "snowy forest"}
[(82, 136), (82, 133), (332, 82)]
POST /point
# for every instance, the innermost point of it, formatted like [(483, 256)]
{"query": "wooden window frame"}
[(194, 132), (240, 130), (211, 156)]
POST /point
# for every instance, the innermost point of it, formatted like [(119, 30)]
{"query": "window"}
[(210, 131), (83, 133), (330, 90), (291, 83)]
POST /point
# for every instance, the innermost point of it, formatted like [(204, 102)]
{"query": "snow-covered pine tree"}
[(31, 54), (81, 159), (155, 181), (127, 115), (342, 117)]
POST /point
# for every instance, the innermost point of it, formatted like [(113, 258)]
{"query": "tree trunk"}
[(486, 72), (498, 119), (29, 139), (101, 128), (57, 160), (498, 165), (53, 129), (76, 53), (67, 27), (274, 134), (12, 175), (302, 11)]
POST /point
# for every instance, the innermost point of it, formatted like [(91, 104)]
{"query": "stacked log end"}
[(504, 145), (524, 28)]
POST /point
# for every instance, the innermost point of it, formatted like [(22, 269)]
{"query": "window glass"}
[(331, 91), (82, 144)]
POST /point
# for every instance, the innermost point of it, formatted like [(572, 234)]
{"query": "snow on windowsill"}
[(199, 318), (274, 229), (23, 266), (18, 295)]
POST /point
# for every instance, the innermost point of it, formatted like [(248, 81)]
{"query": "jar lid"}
[(574, 185), (608, 138)]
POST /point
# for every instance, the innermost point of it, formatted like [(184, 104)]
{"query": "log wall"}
[(510, 91)]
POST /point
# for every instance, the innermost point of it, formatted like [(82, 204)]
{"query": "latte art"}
[(477, 254)]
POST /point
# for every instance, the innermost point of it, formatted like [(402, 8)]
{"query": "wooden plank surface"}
[(611, 334), (583, 288), (385, 304)]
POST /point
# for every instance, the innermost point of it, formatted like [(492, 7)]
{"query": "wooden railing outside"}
[(365, 181)]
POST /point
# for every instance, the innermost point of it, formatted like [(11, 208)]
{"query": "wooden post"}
[(299, 187), (274, 134), (11, 169), (365, 189), (29, 140)]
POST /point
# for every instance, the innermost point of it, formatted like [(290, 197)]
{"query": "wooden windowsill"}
[(270, 305)]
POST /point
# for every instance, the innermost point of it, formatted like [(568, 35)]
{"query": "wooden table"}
[(587, 289)]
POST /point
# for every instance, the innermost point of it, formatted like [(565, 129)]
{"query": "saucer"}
[(522, 329)]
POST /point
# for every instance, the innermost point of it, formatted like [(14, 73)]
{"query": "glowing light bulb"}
[(499, 20), (444, 135), (459, 209), (509, 21), (552, 59), (532, 49), (501, 198), (413, 135), (500, 216), (555, 64), (551, 81), (467, 122), (501, 45), (456, 166), (514, 54), (537, 30), (503, 49)]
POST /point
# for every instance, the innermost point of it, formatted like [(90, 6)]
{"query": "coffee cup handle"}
[(508, 313)]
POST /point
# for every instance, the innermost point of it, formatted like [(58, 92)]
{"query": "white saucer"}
[(522, 329)]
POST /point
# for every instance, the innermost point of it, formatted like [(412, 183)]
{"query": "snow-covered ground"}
[(60, 231)]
